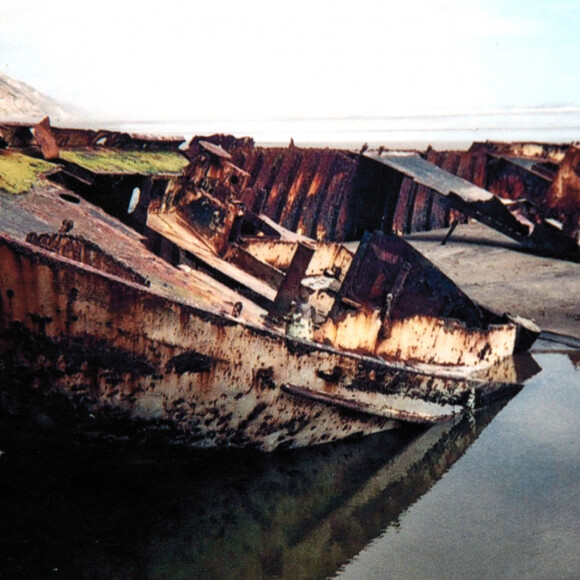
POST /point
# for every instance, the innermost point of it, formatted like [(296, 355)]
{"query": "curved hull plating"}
[(116, 350)]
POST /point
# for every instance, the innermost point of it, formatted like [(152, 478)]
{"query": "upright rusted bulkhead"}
[(307, 190), (207, 194), (325, 194), (563, 197), (333, 194)]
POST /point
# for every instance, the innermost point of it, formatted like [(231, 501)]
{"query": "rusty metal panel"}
[(154, 354), (45, 139), (74, 138), (211, 218), (400, 217), (306, 223), (465, 166), (333, 258), (68, 138), (336, 196), (410, 207), (563, 197), (395, 304), (514, 179), (299, 189), (431, 176), (540, 151), (343, 224), (333, 195), (393, 407), (297, 185), (82, 250), (248, 262), (282, 183), (469, 165), (214, 149), (428, 291), (274, 251), (434, 211), (105, 361), (439, 213), (254, 197), (16, 135), (273, 159), (479, 204), (289, 289), (327, 189), (212, 172), (422, 210)]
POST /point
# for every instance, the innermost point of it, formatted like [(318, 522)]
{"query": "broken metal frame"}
[(137, 345), (480, 205)]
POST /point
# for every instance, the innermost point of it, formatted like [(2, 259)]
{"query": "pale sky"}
[(177, 60)]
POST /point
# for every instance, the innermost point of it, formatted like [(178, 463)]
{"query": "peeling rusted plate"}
[(427, 291), (45, 138), (564, 193), (431, 176), (216, 150), (397, 408), (290, 287)]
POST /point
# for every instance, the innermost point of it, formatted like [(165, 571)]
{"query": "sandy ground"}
[(495, 271)]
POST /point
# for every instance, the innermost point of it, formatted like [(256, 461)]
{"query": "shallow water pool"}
[(495, 495)]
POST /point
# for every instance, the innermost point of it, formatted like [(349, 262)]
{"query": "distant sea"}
[(445, 131)]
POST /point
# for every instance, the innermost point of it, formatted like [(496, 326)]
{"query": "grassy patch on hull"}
[(115, 161), (19, 173)]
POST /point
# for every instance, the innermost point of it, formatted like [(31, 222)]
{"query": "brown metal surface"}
[(461, 196), (88, 311), (431, 176), (563, 197), (329, 194), (539, 173), (393, 407), (114, 347), (22, 135), (16, 135), (289, 289), (394, 303), (82, 250), (306, 190), (45, 138)]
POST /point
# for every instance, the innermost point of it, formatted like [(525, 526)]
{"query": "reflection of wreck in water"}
[(295, 514), (180, 309), (317, 509)]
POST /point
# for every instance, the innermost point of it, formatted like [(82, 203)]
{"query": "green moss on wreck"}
[(118, 161), (19, 173)]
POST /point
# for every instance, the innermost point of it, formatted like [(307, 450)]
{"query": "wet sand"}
[(497, 272)]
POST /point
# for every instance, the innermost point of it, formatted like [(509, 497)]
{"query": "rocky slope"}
[(21, 102)]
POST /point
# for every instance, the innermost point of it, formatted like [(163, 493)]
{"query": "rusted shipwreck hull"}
[(127, 326), (117, 349), (529, 192)]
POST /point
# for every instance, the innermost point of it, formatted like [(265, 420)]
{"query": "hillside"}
[(21, 102)]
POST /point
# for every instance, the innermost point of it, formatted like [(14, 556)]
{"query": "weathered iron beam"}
[(290, 287)]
